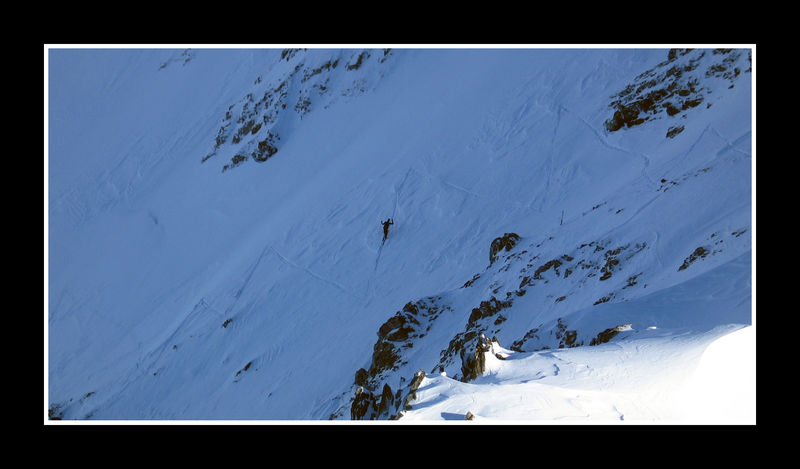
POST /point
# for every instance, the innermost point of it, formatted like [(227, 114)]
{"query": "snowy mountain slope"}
[(187, 283), (657, 379)]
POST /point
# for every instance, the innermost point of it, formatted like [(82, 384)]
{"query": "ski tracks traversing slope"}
[(316, 276)]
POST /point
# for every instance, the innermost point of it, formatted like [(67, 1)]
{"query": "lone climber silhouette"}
[(386, 224)]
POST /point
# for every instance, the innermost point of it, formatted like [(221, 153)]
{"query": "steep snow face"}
[(214, 219)]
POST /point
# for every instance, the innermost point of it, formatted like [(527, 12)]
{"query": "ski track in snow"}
[(732, 146), (459, 188), (247, 279), (599, 136), (335, 284)]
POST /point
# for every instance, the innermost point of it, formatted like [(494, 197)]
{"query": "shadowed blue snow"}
[(151, 251)]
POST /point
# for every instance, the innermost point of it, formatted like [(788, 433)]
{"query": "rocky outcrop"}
[(675, 86), (609, 334), (367, 405), (699, 253), (567, 338), (399, 332), (560, 274), (505, 242), (479, 322), (252, 127), (374, 397), (473, 361)]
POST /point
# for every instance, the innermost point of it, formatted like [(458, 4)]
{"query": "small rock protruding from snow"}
[(361, 404), (507, 242), (417, 380), (412, 388), (473, 363)]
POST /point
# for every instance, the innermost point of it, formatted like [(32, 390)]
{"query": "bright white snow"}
[(666, 380)]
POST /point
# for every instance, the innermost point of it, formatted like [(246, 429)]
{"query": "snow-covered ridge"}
[(526, 230)]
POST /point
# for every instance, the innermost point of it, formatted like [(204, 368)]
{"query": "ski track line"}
[(397, 189), (605, 143), (378, 257), (247, 279), (679, 160), (549, 161), (144, 365), (731, 145), (444, 183), (316, 276), (656, 250), (200, 307), (459, 188)]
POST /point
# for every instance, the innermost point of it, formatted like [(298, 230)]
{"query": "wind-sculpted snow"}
[(216, 252)]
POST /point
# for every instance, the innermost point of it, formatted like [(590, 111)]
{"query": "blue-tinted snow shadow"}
[(452, 416)]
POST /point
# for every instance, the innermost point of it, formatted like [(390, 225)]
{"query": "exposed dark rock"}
[(567, 338), (246, 367), (611, 262), (384, 357), (698, 253), (252, 117), (367, 405), (387, 400), (363, 406), (507, 242), (265, 148), (608, 334), (555, 264), (487, 308), (675, 130), (361, 377), (324, 67), (359, 61), (411, 308), (672, 87), (632, 280), (604, 299), (235, 161), (469, 283), (416, 381), (518, 345), (394, 322), (473, 362), (396, 335), (287, 54)]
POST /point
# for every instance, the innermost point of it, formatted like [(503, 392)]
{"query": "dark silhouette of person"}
[(386, 224)]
